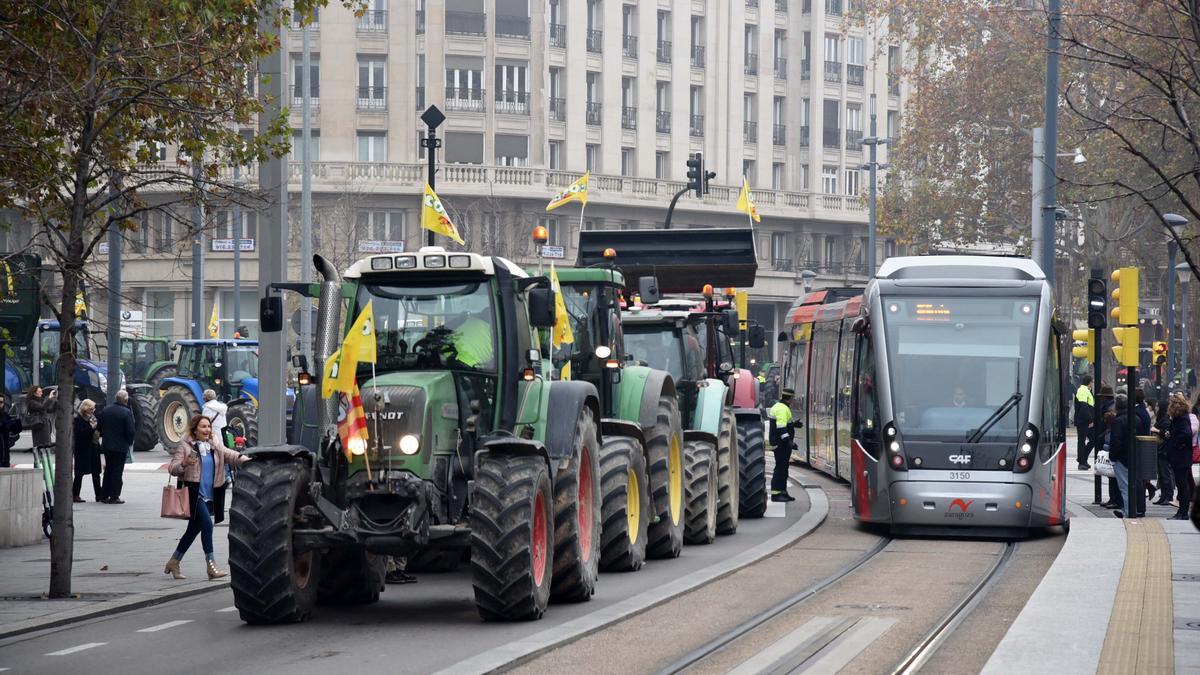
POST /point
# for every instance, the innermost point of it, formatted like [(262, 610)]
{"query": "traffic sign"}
[(554, 252), (133, 321)]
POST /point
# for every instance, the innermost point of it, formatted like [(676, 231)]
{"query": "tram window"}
[(1051, 400), (866, 412)]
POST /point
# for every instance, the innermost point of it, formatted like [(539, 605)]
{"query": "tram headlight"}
[(897, 461), (891, 432), (1030, 438), (895, 446), (1026, 448)]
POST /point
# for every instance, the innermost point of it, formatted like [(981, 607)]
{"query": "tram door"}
[(866, 445), (795, 377)]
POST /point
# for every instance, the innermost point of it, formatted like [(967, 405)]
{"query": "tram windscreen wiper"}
[(996, 416)]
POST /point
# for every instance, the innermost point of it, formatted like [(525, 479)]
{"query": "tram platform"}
[(1123, 596)]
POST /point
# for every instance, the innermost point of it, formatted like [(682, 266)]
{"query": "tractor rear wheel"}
[(664, 452), (728, 494), (350, 576), (242, 420), (577, 521), (752, 467), (143, 402), (512, 545), (626, 510), (175, 408), (272, 583), (700, 458)]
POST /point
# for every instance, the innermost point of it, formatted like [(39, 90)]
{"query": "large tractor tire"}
[(242, 420), (577, 520), (625, 513), (728, 478), (350, 576), (664, 453), (143, 402), (155, 380), (434, 560), (175, 409), (752, 467), (512, 545), (271, 582), (700, 458)]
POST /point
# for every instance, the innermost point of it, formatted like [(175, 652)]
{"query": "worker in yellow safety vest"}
[(782, 428)]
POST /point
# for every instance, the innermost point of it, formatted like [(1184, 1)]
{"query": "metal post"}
[(1183, 338), (237, 255), (1035, 170), (1169, 336), (431, 143), (671, 208), (1097, 417), (114, 312), (1137, 493), (197, 260), (1049, 173), (273, 231), (871, 193), (306, 237)]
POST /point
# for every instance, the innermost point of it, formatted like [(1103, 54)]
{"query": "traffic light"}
[(1126, 296), (697, 179), (1159, 349), (708, 175), (1097, 303), (1086, 350), (1126, 349)]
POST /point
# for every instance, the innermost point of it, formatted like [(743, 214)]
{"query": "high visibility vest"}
[(473, 341), (1084, 395), (782, 414)]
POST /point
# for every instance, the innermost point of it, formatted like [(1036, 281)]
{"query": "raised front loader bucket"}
[(682, 260)]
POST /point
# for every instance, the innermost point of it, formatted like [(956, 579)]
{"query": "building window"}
[(893, 124), (511, 150), (627, 162), (852, 182), (380, 231), (463, 147), (372, 146), (591, 155), (830, 250), (854, 117), (629, 224), (160, 313), (829, 180), (551, 225), (372, 83), (314, 85), (748, 169), (247, 315), (297, 154), (751, 54), (223, 225), (465, 86), (662, 165), (162, 227), (778, 248), (804, 178), (512, 88), (889, 248), (777, 176), (555, 156)]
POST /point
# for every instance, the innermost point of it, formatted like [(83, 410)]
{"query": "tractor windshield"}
[(658, 346), (433, 325), (242, 362), (580, 300)]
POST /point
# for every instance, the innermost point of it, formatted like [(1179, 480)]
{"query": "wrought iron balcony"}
[(420, 22), (629, 45), (664, 51), (558, 109), (781, 264), (893, 84), (629, 117), (515, 27), (372, 98), (780, 68), (804, 135), (854, 75), (558, 35), (593, 113), (750, 132), (833, 71), (833, 7), (751, 64), (662, 122), (696, 128), (781, 6), (373, 21), (595, 41), (854, 139), (512, 102), (779, 134), (698, 56), (466, 99), (805, 70), (832, 138), (420, 98), (466, 23)]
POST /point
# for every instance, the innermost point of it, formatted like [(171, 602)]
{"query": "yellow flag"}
[(576, 191), (81, 308), (565, 373), (562, 321), (213, 325), (336, 377), (745, 203), (434, 217), (359, 345)]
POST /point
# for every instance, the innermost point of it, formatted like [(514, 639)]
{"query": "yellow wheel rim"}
[(675, 485), (633, 509)]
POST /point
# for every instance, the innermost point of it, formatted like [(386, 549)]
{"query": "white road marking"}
[(761, 662), (164, 626), (849, 645), (76, 648), (4, 669), (228, 609), (776, 510)]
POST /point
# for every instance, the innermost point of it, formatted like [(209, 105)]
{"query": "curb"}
[(525, 649), (138, 601)]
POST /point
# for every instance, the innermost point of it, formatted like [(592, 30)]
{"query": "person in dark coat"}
[(1145, 427), (1179, 453), (10, 431), (1166, 477), (1085, 412), (117, 432), (1118, 448), (87, 450), (1104, 404), (39, 409)]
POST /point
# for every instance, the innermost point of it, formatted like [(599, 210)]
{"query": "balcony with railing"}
[(466, 99), (833, 71), (807, 7), (512, 102), (664, 51), (781, 264), (512, 27), (629, 45), (558, 35), (593, 113), (893, 84), (854, 139), (372, 98), (595, 41), (696, 127), (779, 134), (373, 21), (315, 24), (558, 109), (832, 137), (662, 121), (314, 102), (699, 54), (804, 135), (833, 7), (805, 70), (629, 117), (466, 23), (751, 63), (750, 132), (854, 75), (781, 6), (420, 98), (780, 68), (420, 22)]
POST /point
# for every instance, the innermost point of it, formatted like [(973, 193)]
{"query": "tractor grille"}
[(392, 412)]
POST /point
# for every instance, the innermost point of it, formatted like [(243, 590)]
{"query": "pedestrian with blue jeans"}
[(200, 461), (1118, 449)]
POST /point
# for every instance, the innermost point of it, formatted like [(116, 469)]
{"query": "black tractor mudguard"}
[(614, 427), (658, 383), (566, 399)]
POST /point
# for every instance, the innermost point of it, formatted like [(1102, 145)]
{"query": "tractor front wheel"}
[(242, 420), (700, 457), (175, 409), (752, 467), (626, 509), (145, 418)]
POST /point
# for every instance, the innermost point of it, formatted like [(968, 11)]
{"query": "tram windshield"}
[(954, 361)]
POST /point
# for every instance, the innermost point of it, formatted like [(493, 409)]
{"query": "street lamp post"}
[(433, 118), (872, 165), (806, 280), (1184, 274), (1176, 224)]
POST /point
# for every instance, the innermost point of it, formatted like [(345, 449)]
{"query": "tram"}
[(937, 393)]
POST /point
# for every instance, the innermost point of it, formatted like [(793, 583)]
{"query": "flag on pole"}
[(81, 308), (212, 322), (575, 192), (337, 376), (434, 217), (352, 424), (565, 373), (359, 345), (745, 202), (562, 321)]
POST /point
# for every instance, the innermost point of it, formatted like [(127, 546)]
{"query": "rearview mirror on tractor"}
[(541, 308), (648, 290), (730, 318), (270, 314), (757, 336)]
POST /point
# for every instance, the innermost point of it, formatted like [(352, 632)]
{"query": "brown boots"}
[(172, 568)]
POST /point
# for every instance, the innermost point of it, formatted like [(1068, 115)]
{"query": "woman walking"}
[(87, 450), (1178, 449), (40, 411), (200, 461)]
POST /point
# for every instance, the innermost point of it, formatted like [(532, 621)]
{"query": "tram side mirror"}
[(648, 290), (541, 308), (757, 336), (730, 319), (860, 325), (270, 314)]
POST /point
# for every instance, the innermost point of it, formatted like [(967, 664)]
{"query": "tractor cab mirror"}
[(648, 290), (757, 336), (729, 317), (533, 356), (270, 314), (541, 308), (300, 362)]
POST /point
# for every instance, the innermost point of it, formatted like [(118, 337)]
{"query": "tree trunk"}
[(62, 544)]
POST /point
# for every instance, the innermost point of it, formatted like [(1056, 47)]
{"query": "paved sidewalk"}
[(120, 551)]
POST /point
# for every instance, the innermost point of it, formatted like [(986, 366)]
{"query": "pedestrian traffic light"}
[(695, 174), (1097, 303), (708, 175), (1087, 350), (1126, 349), (1126, 296), (1159, 349)]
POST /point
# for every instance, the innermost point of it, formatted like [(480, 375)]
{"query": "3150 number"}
[(960, 475)]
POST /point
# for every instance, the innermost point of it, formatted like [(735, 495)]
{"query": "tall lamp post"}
[(1184, 274), (433, 118), (872, 165), (1176, 223)]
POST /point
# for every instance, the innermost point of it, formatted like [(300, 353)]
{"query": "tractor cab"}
[(143, 355), (91, 377), (230, 369)]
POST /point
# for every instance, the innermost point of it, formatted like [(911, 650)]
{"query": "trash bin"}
[(1147, 457)]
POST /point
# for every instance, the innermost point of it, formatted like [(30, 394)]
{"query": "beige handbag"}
[(175, 501)]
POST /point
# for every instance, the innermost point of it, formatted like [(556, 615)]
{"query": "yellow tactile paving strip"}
[(1140, 629)]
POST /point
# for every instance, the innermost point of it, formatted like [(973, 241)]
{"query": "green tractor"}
[(469, 446), (648, 508), (146, 359)]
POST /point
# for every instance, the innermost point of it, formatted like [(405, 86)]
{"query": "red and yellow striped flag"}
[(352, 424)]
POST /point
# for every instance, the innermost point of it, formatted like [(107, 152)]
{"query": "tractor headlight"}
[(410, 444), (358, 446), (603, 352)]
